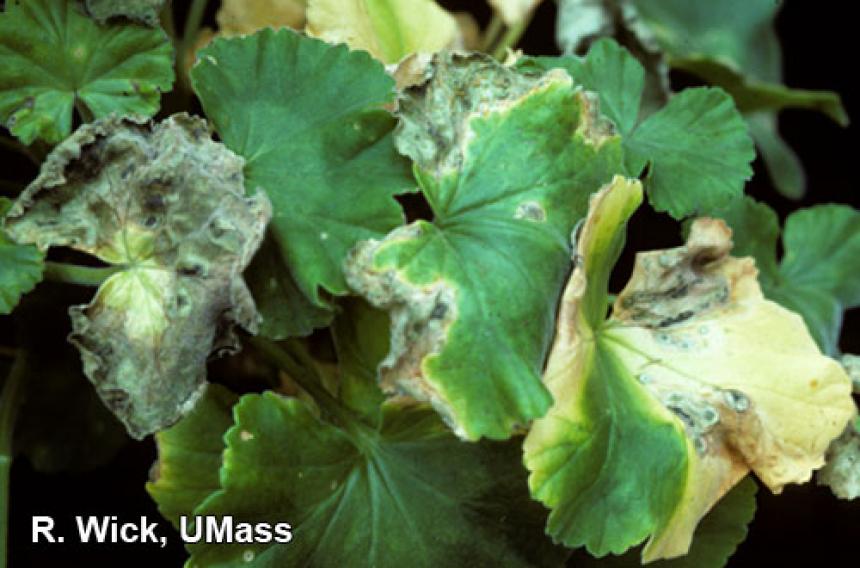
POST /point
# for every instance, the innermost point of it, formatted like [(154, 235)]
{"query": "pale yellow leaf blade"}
[(389, 29)]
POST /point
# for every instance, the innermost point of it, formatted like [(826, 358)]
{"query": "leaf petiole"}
[(492, 33), (512, 37), (79, 275)]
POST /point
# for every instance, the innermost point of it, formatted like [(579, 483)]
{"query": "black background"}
[(805, 526)]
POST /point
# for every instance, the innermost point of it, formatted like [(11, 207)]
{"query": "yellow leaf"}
[(240, 17), (389, 29), (706, 339), (694, 381)]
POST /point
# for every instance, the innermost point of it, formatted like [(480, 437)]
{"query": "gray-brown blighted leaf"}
[(842, 472), (851, 364), (166, 205), (143, 11)]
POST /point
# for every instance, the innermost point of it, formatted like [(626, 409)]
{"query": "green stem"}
[(512, 37), (10, 401), (492, 33), (83, 110), (294, 360), (80, 275), (189, 33), (168, 23)]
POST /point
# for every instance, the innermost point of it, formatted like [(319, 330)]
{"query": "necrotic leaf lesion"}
[(166, 205)]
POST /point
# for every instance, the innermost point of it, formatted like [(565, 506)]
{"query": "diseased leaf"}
[(286, 312), (308, 119), (189, 455), (842, 471), (389, 29), (817, 274), (610, 72), (581, 21), (693, 381), (165, 204), (143, 11), (715, 539), (851, 364), (409, 494), (242, 17), (506, 162), (100, 69), (514, 12), (20, 267), (696, 148)]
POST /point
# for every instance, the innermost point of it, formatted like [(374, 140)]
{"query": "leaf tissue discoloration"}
[(166, 205), (420, 319), (693, 382), (436, 116)]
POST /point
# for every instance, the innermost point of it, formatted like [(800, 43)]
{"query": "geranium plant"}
[(350, 263)]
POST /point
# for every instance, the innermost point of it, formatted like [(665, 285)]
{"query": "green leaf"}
[(698, 152), (285, 310), (361, 338), (166, 206), (506, 162), (189, 455), (611, 72), (817, 274), (308, 118), (54, 58), (21, 267), (692, 382), (143, 11), (697, 147), (733, 45), (408, 495), (714, 541)]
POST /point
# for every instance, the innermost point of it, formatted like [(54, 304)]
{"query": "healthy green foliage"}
[(308, 119), (408, 494), (189, 455), (472, 295), (54, 58), (391, 486), (20, 267), (817, 275), (696, 149), (732, 44)]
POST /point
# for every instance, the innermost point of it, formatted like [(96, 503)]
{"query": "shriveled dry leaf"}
[(167, 206)]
